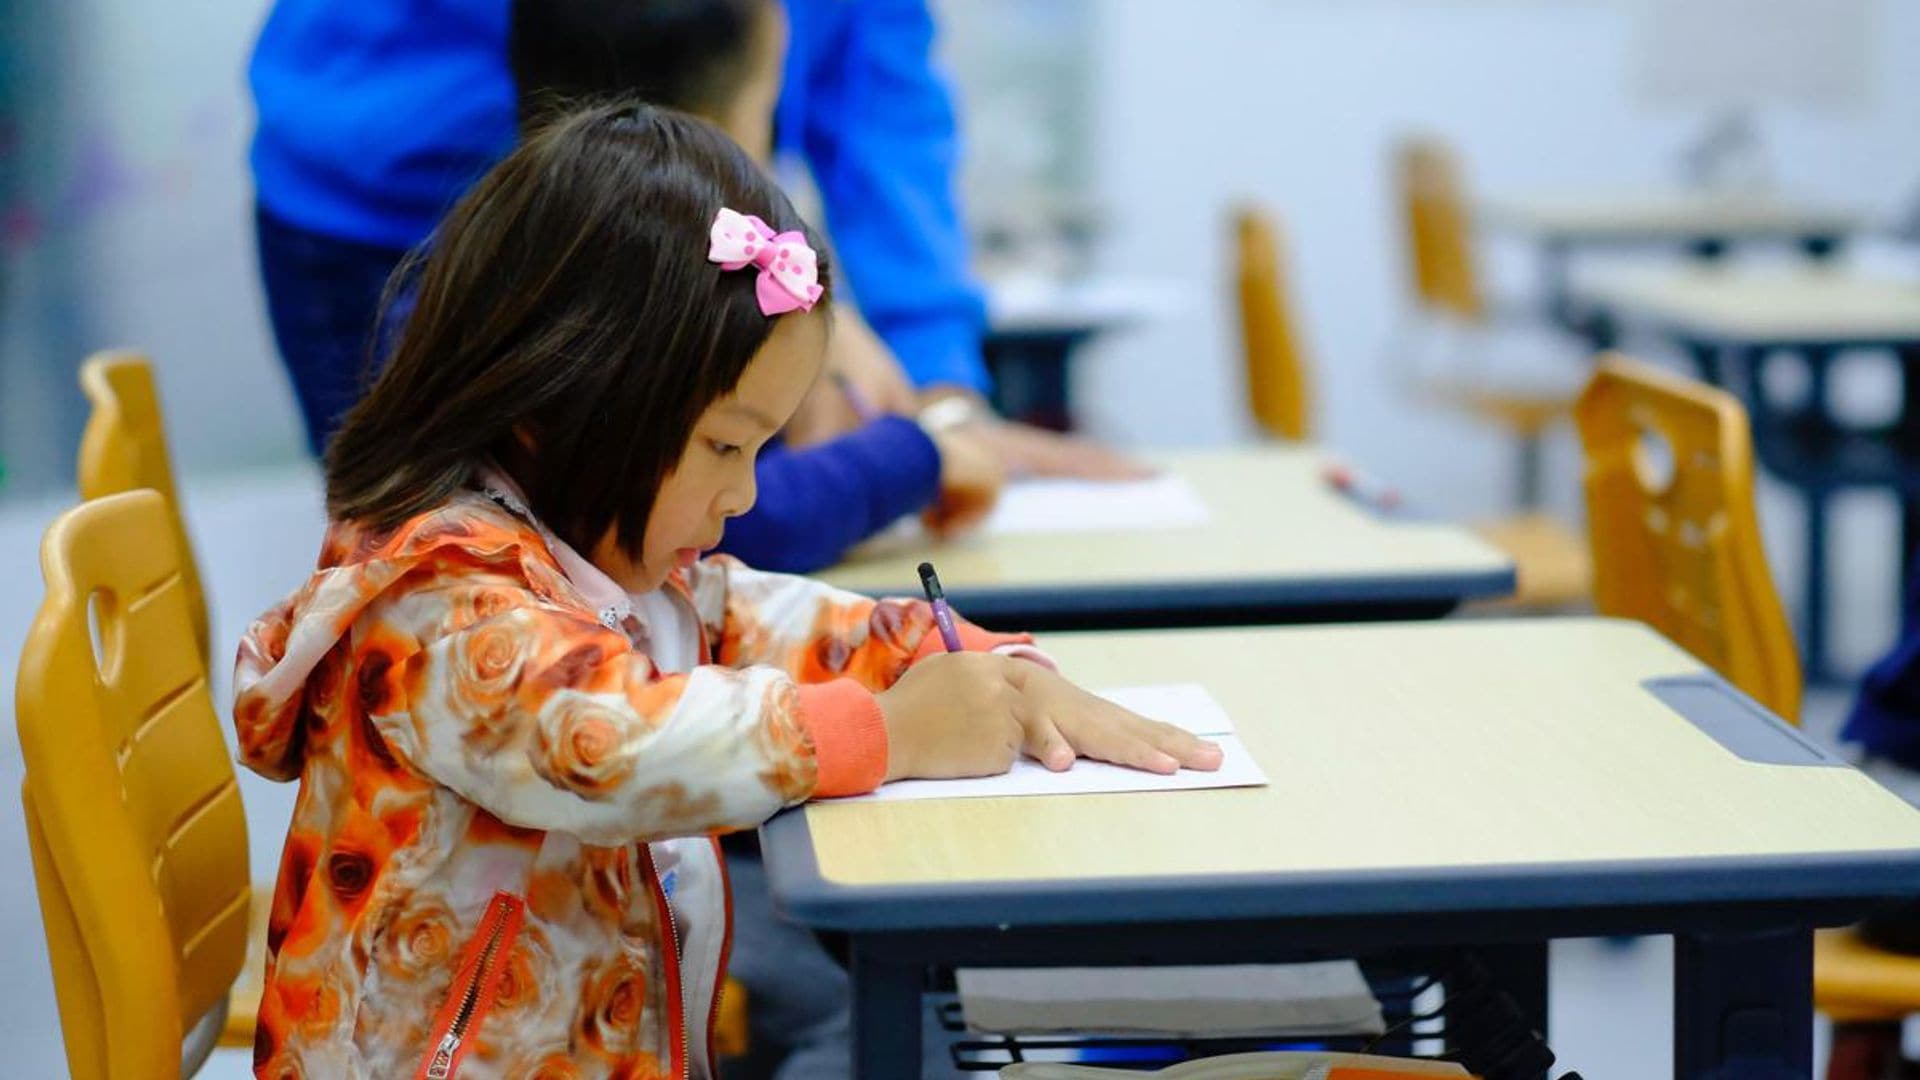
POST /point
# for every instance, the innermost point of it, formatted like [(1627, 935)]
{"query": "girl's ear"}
[(524, 437)]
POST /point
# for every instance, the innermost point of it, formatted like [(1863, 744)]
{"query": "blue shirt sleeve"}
[(819, 501), (875, 122)]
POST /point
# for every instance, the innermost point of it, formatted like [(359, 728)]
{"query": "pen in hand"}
[(942, 612)]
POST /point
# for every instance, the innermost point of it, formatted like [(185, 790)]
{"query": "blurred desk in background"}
[(1035, 324), (1736, 326), (1701, 224)]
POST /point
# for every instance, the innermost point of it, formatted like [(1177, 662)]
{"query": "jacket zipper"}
[(468, 1003), (676, 1013), (726, 884), (726, 954), (705, 656)]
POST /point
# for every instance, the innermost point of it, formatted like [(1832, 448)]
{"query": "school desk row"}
[(1486, 783)]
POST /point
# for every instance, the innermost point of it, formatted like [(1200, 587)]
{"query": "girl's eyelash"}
[(723, 449)]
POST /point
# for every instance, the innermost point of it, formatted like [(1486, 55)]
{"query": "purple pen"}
[(942, 613)]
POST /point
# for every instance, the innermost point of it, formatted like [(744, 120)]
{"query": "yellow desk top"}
[(1676, 215), (1274, 521), (1812, 304), (1396, 749)]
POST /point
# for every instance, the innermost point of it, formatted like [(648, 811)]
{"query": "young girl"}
[(518, 703), (841, 471)]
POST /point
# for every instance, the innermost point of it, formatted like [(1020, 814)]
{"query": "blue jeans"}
[(323, 298)]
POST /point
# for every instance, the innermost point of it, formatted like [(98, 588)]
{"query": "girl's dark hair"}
[(567, 324), (690, 55)]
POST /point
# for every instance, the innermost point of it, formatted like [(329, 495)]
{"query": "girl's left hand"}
[(1064, 722), (970, 481)]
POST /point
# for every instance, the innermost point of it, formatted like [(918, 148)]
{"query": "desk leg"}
[(1821, 247), (1520, 972), (1817, 419), (886, 1015), (1556, 257), (1706, 361), (1908, 435), (1707, 249), (1743, 1005)]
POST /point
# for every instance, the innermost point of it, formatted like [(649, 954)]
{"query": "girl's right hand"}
[(953, 715)]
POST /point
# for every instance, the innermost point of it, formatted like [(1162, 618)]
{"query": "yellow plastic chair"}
[(1867, 992), (1279, 389), (1676, 543), (1446, 288), (133, 814), (1550, 558), (124, 448)]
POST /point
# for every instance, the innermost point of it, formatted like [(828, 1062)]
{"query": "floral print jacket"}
[(497, 784)]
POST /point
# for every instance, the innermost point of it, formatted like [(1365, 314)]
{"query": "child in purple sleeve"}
[(722, 60)]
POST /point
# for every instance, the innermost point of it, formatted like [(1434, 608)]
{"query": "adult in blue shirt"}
[(375, 115)]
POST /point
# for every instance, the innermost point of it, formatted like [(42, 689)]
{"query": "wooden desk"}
[(1679, 218), (1775, 309), (1734, 323), (1704, 225), (1459, 783), (1281, 546)]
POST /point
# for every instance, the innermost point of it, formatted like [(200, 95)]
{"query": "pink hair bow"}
[(789, 269)]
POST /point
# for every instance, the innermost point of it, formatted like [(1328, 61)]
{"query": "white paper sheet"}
[(1166, 501), (1186, 705)]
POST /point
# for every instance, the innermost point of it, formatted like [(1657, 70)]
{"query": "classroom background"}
[(1106, 144)]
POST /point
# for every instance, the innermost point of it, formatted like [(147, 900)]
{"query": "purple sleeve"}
[(818, 501)]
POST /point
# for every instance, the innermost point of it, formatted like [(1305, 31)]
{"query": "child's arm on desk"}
[(893, 648)]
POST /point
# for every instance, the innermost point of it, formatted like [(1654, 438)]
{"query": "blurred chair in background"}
[(1550, 558)]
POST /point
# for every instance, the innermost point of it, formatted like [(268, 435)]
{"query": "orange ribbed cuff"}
[(849, 735), (972, 639)]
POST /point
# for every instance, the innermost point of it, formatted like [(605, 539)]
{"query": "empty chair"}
[(133, 814)]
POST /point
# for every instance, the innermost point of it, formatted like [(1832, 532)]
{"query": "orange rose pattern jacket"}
[(492, 780)]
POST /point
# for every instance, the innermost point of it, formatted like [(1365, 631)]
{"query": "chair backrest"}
[(1670, 515), (1438, 230), (138, 838), (1279, 389), (124, 448)]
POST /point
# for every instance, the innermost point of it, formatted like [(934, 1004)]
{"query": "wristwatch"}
[(952, 412)]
